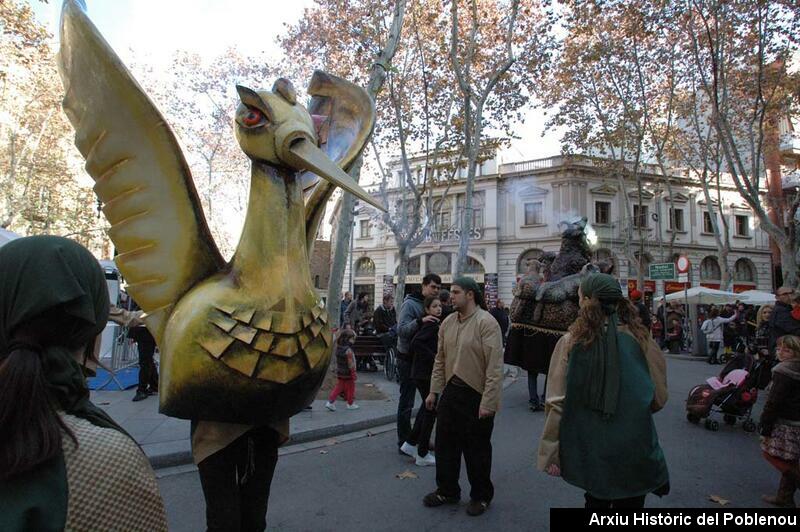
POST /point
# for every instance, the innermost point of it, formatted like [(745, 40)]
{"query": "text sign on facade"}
[(453, 234), (664, 271)]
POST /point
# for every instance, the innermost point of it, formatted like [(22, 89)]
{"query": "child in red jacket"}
[(345, 368)]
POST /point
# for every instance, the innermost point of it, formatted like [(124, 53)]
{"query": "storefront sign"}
[(715, 286), (649, 286), (739, 288), (671, 287), (446, 278), (476, 233), (410, 279)]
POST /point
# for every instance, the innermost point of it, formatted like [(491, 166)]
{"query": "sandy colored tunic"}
[(472, 349), (209, 437)]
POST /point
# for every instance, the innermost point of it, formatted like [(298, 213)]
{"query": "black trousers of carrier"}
[(459, 432), (236, 482)]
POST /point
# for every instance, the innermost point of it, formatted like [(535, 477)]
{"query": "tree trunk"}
[(340, 252), (466, 222), (789, 263), (376, 80), (402, 272)]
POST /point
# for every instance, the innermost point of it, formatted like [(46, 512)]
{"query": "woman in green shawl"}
[(607, 377), (64, 463)]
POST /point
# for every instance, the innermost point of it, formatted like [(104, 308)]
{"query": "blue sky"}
[(152, 30)]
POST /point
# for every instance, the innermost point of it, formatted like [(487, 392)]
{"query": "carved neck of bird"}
[(271, 256)]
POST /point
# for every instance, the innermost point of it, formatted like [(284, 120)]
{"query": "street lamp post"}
[(352, 237)]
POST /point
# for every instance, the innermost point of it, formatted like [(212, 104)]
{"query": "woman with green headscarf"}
[(607, 377), (64, 463)]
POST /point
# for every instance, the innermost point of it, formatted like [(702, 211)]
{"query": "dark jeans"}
[(713, 348), (423, 424), (459, 431), (633, 502), (146, 345), (236, 482), (533, 393), (406, 403)]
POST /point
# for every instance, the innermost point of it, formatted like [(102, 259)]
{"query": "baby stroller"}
[(733, 393)]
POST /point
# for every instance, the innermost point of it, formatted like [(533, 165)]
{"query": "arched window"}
[(365, 267), (524, 260), (473, 266), (413, 266), (438, 263), (744, 271), (710, 270)]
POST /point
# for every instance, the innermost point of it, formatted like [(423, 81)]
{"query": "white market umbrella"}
[(757, 297), (700, 295), (7, 236)]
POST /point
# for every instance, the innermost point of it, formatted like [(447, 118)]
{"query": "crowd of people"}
[(726, 328), (770, 333), (605, 381)]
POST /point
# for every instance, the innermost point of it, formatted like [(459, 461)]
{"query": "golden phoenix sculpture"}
[(245, 341)]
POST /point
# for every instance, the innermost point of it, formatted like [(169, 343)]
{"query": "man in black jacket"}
[(641, 308), (447, 307), (411, 318), (500, 314), (385, 316), (781, 322)]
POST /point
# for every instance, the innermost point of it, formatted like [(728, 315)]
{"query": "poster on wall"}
[(490, 287), (388, 285)]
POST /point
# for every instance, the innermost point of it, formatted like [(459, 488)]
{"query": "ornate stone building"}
[(518, 209)]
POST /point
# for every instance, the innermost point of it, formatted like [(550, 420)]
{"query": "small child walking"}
[(345, 371)]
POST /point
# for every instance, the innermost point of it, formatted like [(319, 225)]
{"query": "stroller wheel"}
[(693, 419), (713, 426), (729, 419), (749, 426)]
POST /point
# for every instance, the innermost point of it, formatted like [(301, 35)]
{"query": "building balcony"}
[(790, 145), (574, 160)]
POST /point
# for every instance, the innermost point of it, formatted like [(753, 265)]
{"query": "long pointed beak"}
[(304, 154)]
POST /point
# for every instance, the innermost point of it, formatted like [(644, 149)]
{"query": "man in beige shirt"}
[(466, 384)]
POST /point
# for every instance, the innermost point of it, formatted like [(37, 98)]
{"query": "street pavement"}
[(350, 482), (166, 443)]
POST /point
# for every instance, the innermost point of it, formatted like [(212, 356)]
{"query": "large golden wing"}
[(350, 117), (140, 174)]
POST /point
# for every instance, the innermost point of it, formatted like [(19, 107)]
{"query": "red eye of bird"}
[(253, 117)]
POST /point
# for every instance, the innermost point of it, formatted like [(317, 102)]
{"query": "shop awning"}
[(700, 295)]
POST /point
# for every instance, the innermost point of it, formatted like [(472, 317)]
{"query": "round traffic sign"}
[(683, 264)]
